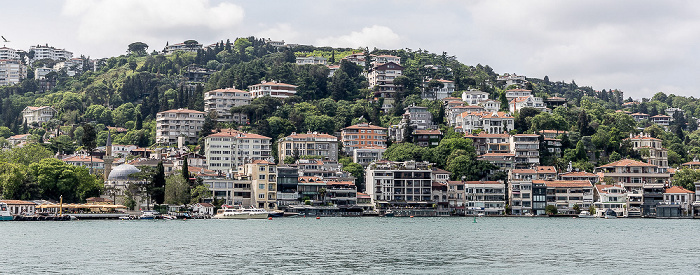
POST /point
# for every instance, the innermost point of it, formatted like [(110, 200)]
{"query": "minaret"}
[(108, 155)]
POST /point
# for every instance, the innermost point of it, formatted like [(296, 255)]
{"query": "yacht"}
[(148, 215), (5, 212), (241, 213), (585, 214)]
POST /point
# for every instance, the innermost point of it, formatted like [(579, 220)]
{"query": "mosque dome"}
[(122, 172)]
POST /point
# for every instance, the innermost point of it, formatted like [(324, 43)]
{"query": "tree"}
[(200, 192), (185, 169), (26, 155), (357, 171), (138, 48), (177, 190), (17, 183), (583, 124), (551, 210), (89, 138), (55, 178), (158, 182)]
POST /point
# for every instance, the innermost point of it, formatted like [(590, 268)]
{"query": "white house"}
[(474, 97), (203, 208), (39, 115)]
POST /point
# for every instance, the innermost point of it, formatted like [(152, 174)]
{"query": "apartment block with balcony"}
[(519, 103), (232, 191), (448, 87), (363, 135), (8, 53), (263, 175), (486, 143), (635, 177), (485, 197), (309, 144), (228, 150), (176, 123), (566, 195), (610, 197), (491, 123), (272, 88), (406, 183), (222, 100), (677, 202), (381, 80), (474, 97), (46, 52), (366, 155), (650, 149), (312, 60), (526, 149), (11, 72), (515, 93)]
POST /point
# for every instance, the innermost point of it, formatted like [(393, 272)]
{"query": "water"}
[(369, 245)]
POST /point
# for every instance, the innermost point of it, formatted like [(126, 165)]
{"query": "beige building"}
[(176, 123), (229, 149), (650, 148), (273, 88), (222, 100), (263, 175), (39, 115), (309, 144)]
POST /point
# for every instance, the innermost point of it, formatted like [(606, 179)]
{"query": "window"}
[(261, 196), (261, 186), (262, 177)]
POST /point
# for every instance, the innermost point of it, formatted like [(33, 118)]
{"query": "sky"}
[(640, 47)]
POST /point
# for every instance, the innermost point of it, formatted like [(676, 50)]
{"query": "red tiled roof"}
[(691, 163), (677, 190), (486, 135), (183, 111), (644, 137), (237, 134), (565, 183), (628, 162), (82, 159), (524, 171), (227, 90), (17, 202), (546, 169), (578, 174), (261, 161), (18, 136), (600, 187), (311, 135), (361, 126), (639, 114)]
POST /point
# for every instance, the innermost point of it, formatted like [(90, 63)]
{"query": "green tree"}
[(357, 171), (26, 155), (89, 140), (177, 190), (185, 169), (56, 178), (551, 210), (200, 192), (138, 48), (158, 183), (17, 183)]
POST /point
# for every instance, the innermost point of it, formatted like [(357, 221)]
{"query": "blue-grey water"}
[(353, 245)]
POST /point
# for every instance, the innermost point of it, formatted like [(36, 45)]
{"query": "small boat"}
[(585, 214), (148, 215), (241, 213), (5, 212), (389, 213), (276, 214), (169, 217), (610, 214)]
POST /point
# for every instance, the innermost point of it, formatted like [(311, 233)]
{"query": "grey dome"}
[(122, 172)]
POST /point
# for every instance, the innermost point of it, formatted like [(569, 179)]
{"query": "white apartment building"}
[(515, 93), (474, 97), (169, 49), (513, 79), (448, 87), (46, 52), (527, 102), (176, 123), (309, 144), (40, 73), (526, 149), (273, 88), (11, 72), (8, 54), (407, 182), (366, 155), (312, 60), (612, 197), (485, 197), (491, 123), (230, 149), (222, 100), (491, 105), (385, 58), (381, 77), (39, 115)]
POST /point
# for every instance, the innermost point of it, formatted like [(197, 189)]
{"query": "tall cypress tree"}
[(158, 191)]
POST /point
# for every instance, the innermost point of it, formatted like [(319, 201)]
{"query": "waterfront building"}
[(368, 154), (263, 175), (610, 197), (677, 201), (122, 183), (526, 148), (230, 149), (456, 196), (340, 193), (566, 195), (485, 197), (20, 207), (309, 144), (178, 123), (440, 175), (203, 208), (233, 191), (363, 135), (39, 114), (272, 88), (407, 183), (643, 181), (222, 100), (287, 185)]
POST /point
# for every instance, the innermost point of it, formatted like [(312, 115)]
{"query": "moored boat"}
[(241, 213), (610, 214), (148, 215), (585, 214)]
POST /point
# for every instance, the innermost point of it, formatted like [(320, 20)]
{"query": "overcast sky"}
[(639, 47)]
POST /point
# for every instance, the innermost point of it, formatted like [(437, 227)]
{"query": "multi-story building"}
[(368, 154), (230, 149), (526, 149), (553, 145), (485, 143), (46, 52), (566, 195), (427, 138), (419, 117), (183, 47), (662, 120), (362, 135), (679, 198), (448, 87), (672, 111), (527, 102), (515, 93), (233, 191), (309, 144), (490, 105), (11, 72), (39, 114), (41, 73), (312, 60), (409, 183), (272, 88), (172, 124), (613, 197), (695, 164), (222, 100), (635, 177), (474, 97), (385, 58), (492, 123), (650, 148), (381, 81), (263, 176), (580, 176), (527, 197), (358, 59), (287, 185), (502, 160), (639, 116), (513, 79), (8, 54), (485, 197)]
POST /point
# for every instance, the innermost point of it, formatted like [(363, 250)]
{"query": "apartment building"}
[(312, 60), (566, 195), (486, 143), (309, 144), (644, 183), (485, 197), (474, 97), (222, 100), (39, 114), (526, 148), (613, 197), (232, 191), (381, 79), (172, 124), (519, 103), (492, 123), (46, 52), (446, 90), (650, 148), (513, 79), (8, 53), (515, 93), (189, 47), (272, 88), (11, 72), (228, 150), (366, 155), (407, 183), (263, 176), (363, 135)]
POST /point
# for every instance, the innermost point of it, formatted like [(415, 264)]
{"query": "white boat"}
[(148, 215), (585, 214), (5, 212), (241, 213)]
